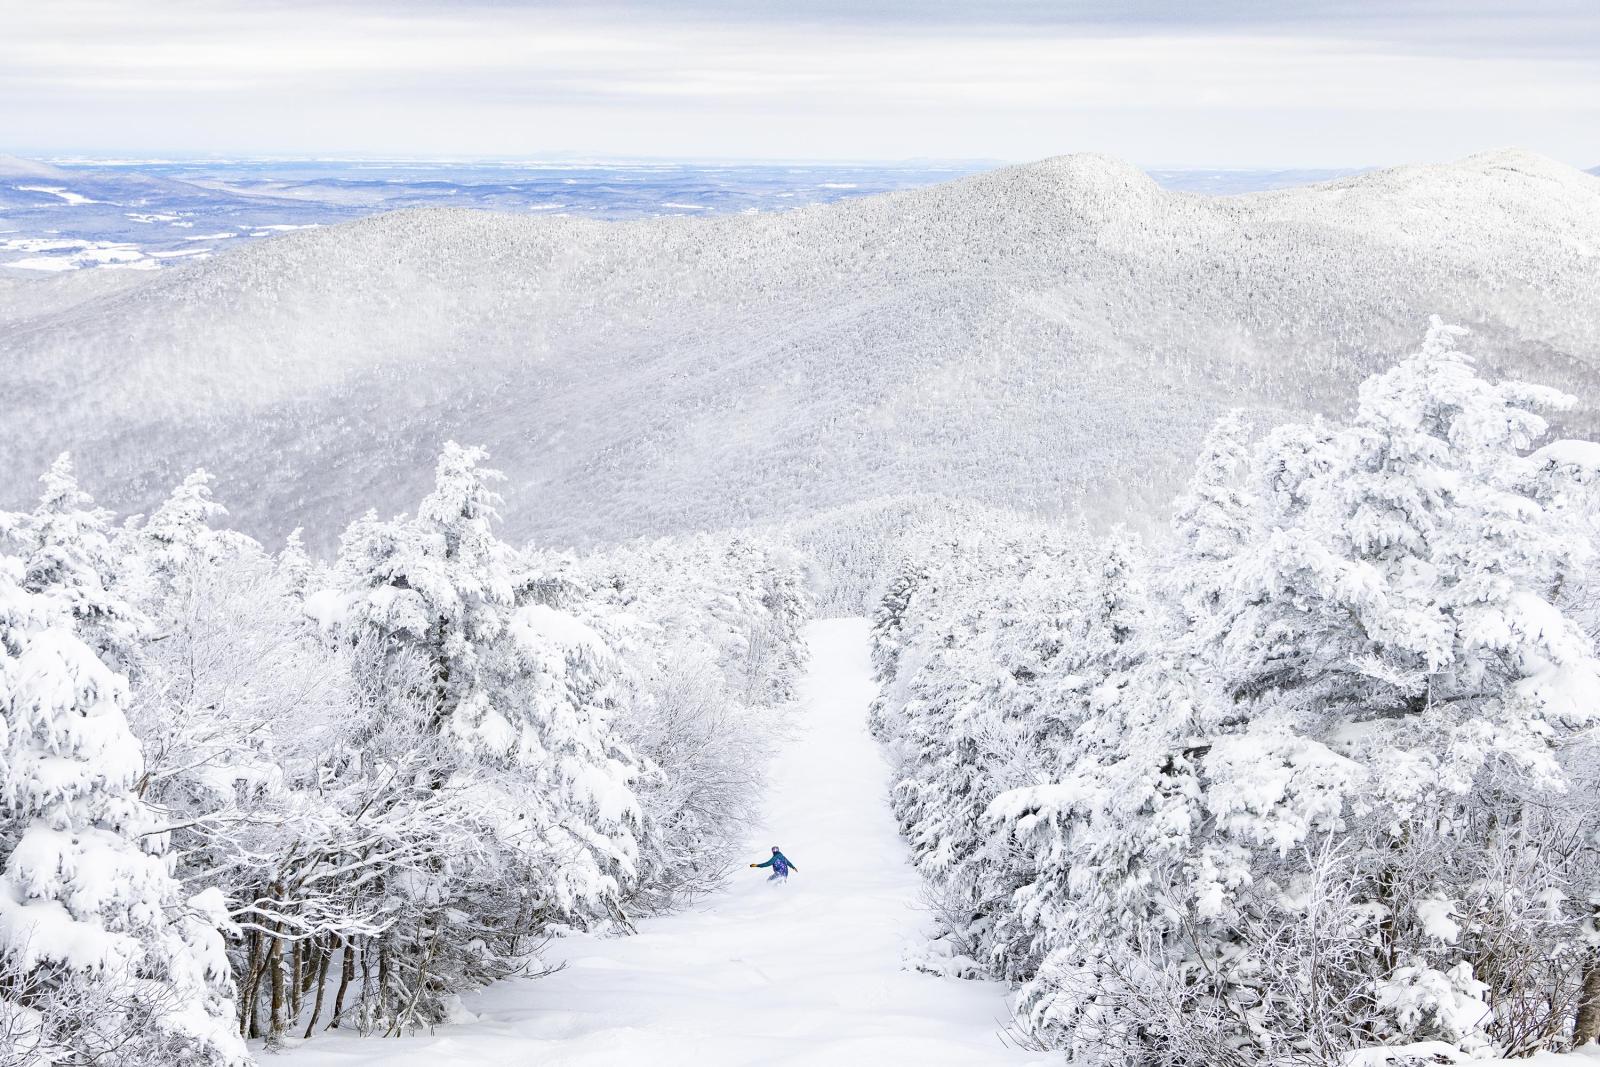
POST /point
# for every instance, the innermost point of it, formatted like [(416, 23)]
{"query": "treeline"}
[(1320, 776), (249, 794)]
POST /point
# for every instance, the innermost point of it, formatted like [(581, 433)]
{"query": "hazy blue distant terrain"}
[(138, 214), (1227, 182), (69, 214)]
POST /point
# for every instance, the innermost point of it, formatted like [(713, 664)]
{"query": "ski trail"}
[(803, 973)]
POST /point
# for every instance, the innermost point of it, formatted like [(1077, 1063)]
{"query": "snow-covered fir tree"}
[(1211, 520), (91, 916), (515, 687), (65, 543), (1331, 792)]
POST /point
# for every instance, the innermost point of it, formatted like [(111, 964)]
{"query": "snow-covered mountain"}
[(1043, 336)]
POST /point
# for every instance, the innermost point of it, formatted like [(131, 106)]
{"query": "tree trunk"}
[(406, 1015), (317, 951), (368, 1012), (1388, 933), (280, 1004), (247, 989), (347, 974), (321, 980), (297, 984), (258, 1028), (1586, 1024), (385, 976)]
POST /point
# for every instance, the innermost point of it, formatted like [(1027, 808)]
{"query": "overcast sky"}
[(1229, 83)]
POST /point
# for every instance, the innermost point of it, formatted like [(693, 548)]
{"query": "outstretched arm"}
[(766, 864)]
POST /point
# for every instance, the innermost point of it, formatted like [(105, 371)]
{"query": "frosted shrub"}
[(707, 753), (711, 627)]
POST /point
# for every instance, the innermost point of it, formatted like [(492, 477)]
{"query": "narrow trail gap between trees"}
[(804, 973)]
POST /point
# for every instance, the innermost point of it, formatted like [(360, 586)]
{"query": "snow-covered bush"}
[(1319, 776)]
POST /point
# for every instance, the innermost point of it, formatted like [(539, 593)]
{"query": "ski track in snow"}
[(804, 973)]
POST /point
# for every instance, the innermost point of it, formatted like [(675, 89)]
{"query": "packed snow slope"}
[(807, 972), (1037, 336)]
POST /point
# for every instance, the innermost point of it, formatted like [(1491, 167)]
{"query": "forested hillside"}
[(1043, 337)]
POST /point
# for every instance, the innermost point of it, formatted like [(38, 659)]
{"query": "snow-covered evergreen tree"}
[(521, 692), (1326, 798), (175, 536), (66, 548), (889, 618), (1212, 519), (88, 902)]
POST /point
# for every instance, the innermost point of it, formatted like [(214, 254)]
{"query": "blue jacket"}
[(779, 863)]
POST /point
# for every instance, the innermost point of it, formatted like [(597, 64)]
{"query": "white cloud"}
[(530, 79)]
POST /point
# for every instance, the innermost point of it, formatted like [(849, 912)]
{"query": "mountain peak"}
[(1085, 184), (1521, 161), (1091, 170)]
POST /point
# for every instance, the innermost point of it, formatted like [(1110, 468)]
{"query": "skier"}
[(780, 864)]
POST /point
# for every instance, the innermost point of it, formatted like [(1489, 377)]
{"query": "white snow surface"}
[(540, 626), (804, 973), (1584, 455), (66, 194), (1390, 1055)]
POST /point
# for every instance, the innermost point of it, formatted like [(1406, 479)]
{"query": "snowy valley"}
[(1160, 628)]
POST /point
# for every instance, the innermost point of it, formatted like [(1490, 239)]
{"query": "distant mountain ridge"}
[(17, 167), (1047, 337)]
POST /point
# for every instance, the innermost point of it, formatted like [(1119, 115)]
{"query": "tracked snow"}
[(807, 972)]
